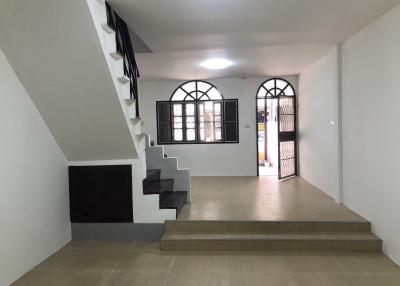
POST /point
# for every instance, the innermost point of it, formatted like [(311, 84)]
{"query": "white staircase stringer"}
[(169, 168), (115, 63)]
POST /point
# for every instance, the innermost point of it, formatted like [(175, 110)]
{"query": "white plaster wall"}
[(54, 48), (211, 159), (371, 133), (318, 124), (34, 211)]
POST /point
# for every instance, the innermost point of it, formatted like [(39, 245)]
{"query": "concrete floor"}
[(103, 263), (261, 198)]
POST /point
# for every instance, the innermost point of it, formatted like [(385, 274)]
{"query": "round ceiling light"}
[(216, 64)]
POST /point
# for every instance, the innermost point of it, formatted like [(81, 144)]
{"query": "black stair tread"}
[(158, 187), (152, 172), (173, 200)]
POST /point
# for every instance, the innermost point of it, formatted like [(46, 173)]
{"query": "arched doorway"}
[(276, 129)]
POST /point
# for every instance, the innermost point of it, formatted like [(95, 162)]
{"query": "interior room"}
[(219, 142)]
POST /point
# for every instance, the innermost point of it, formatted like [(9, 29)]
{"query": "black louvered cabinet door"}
[(84, 194), (101, 193), (116, 194)]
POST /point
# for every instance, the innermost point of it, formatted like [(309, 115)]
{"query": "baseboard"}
[(117, 231)]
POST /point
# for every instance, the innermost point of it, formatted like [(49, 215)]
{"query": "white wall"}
[(371, 133), (318, 124), (63, 68), (34, 212), (212, 159)]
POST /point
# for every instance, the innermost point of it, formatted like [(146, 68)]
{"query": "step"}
[(257, 227), (136, 120), (151, 176), (343, 242), (107, 28), (116, 56), (158, 187), (141, 136), (173, 200), (123, 79)]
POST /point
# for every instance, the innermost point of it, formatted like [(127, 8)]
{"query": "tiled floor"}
[(105, 263), (89, 263), (261, 198)]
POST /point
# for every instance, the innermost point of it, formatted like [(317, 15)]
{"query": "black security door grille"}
[(287, 137)]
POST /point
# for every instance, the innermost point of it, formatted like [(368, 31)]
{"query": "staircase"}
[(120, 66), (160, 192), (157, 159), (168, 199), (270, 236)]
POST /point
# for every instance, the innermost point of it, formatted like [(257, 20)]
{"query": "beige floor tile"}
[(379, 264), (324, 280), (79, 244), (367, 264), (325, 264), (57, 260), (259, 279), (283, 280), (104, 244), (151, 260), (375, 280), (146, 245), (352, 263), (197, 278), (214, 210), (136, 278), (36, 278), (261, 198), (104, 259), (200, 261), (306, 263), (63, 278), (255, 262), (83, 278)]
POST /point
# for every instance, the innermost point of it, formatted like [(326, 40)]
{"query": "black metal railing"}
[(125, 49)]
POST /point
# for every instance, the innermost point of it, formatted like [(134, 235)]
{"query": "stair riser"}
[(151, 179), (160, 187), (178, 211), (278, 245), (264, 227)]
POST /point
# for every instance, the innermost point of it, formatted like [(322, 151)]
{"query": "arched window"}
[(197, 113), (275, 87), (196, 90)]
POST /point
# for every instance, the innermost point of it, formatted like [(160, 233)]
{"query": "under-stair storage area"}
[(100, 193)]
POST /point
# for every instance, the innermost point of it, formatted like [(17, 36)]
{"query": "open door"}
[(287, 137), (276, 128)]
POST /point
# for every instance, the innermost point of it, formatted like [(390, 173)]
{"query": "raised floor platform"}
[(261, 199), (262, 213)]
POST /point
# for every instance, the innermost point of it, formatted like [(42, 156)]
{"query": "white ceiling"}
[(262, 37)]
